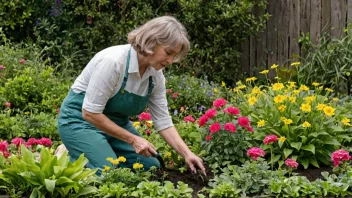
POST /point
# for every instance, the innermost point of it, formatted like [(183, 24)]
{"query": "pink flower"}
[(215, 127), (210, 113), (6, 154), (189, 119), (32, 141), (232, 110), (147, 131), (169, 91), (339, 156), (202, 120), (269, 139), (291, 163), (2, 67), (144, 116), (7, 104), (45, 142), (174, 95), (17, 141), (57, 110), (219, 102), (22, 61), (230, 127), (3, 146), (255, 152), (208, 138), (249, 128), (243, 121)]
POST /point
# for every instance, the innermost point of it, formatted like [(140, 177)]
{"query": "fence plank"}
[(315, 20), (349, 11), (272, 33), (305, 22), (252, 54), (261, 46), (283, 33), (326, 16), (294, 28), (245, 57), (337, 18)]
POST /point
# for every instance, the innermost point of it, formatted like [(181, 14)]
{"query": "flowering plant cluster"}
[(309, 123), (227, 134)]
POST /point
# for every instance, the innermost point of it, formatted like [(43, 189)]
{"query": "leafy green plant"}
[(155, 189)]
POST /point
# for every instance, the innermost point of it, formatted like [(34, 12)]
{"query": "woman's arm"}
[(140, 145), (172, 137)]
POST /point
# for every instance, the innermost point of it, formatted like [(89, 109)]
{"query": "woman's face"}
[(163, 56)]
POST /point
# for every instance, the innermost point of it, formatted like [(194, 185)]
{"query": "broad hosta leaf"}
[(304, 162), (332, 142), (296, 145), (309, 147), (50, 185), (88, 190), (287, 152), (313, 161), (336, 129)]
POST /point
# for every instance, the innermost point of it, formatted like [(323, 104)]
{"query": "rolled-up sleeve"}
[(158, 106), (104, 77)]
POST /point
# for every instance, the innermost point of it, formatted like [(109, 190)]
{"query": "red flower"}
[(219, 102), (57, 110), (249, 128), (243, 121), (232, 110), (210, 113), (144, 116), (339, 156), (174, 95), (147, 132), (291, 163), (7, 104), (18, 141), (189, 119), (255, 153), (269, 139), (215, 127), (32, 141), (2, 67), (169, 91), (230, 127), (203, 120), (6, 154), (45, 142), (22, 61), (208, 138), (3, 146)]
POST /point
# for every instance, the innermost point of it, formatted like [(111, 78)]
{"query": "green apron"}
[(80, 136)]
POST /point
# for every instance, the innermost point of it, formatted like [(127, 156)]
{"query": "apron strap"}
[(151, 85), (126, 72)]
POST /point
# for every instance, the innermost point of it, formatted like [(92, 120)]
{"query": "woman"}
[(117, 83)]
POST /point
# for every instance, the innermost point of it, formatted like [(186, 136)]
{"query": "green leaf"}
[(303, 138), (332, 142), (313, 161), (305, 163), (296, 145), (336, 129), (50, 185), (309, 147), (87, 190), (275, 158), (287, 152)]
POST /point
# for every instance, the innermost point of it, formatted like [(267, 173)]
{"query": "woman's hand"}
[(193, 162), (143, 147)]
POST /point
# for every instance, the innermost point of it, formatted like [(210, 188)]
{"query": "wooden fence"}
[(278, 43)]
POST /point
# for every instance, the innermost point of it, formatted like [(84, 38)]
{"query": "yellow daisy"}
[(306, 124), (329, 111), (261, 123)]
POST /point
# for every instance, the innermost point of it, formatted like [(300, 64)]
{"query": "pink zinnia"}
[(147, 131), (2, 67), (174, 95), (45, 142), (215, 127), (232, 110), (169, 91), (269, 139), (210, 113), (189, 119), (255, 152), (291, 163), (249, 128), (6, 154), (208, 138), (243, 121), (144, 116), (230, 127), (7, 104), (219, 102), (339, 156), (3, 146), (32, 141), (22, 61), (202, 120), (18, 141)]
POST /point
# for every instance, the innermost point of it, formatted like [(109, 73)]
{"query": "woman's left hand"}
[(193, 162)]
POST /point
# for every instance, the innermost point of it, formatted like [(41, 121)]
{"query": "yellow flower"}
[(215, 90), (304, 88), (279, 98), (242, 87), (274, 66), (295, 64), (315, 84), (306, 124), (283, 118), (121, 159), (282, 108), (320, 88), (296, 92), (261, 123), (320, 107), (329, 90), (110, 159), (306, 107), (329, 111), (278, 86), (346, 121), (282, 139), (310, 99), (288, 121), (149, 123), (223, 84), (137, 166), (136, 124), (236, 89), (256, 90), (115, 162), (106, 168), (264, 71), (292, 99), (168, 154), (335, 99), (27, 113), (252, 101), (251, 79)]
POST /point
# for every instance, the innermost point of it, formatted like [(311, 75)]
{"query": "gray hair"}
[(166, 31)]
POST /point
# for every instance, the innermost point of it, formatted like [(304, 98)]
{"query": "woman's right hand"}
[(143, 147)]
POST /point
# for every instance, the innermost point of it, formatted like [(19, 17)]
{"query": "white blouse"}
[(102, 78)]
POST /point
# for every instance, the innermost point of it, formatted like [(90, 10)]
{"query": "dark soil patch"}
[(313, 173)]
